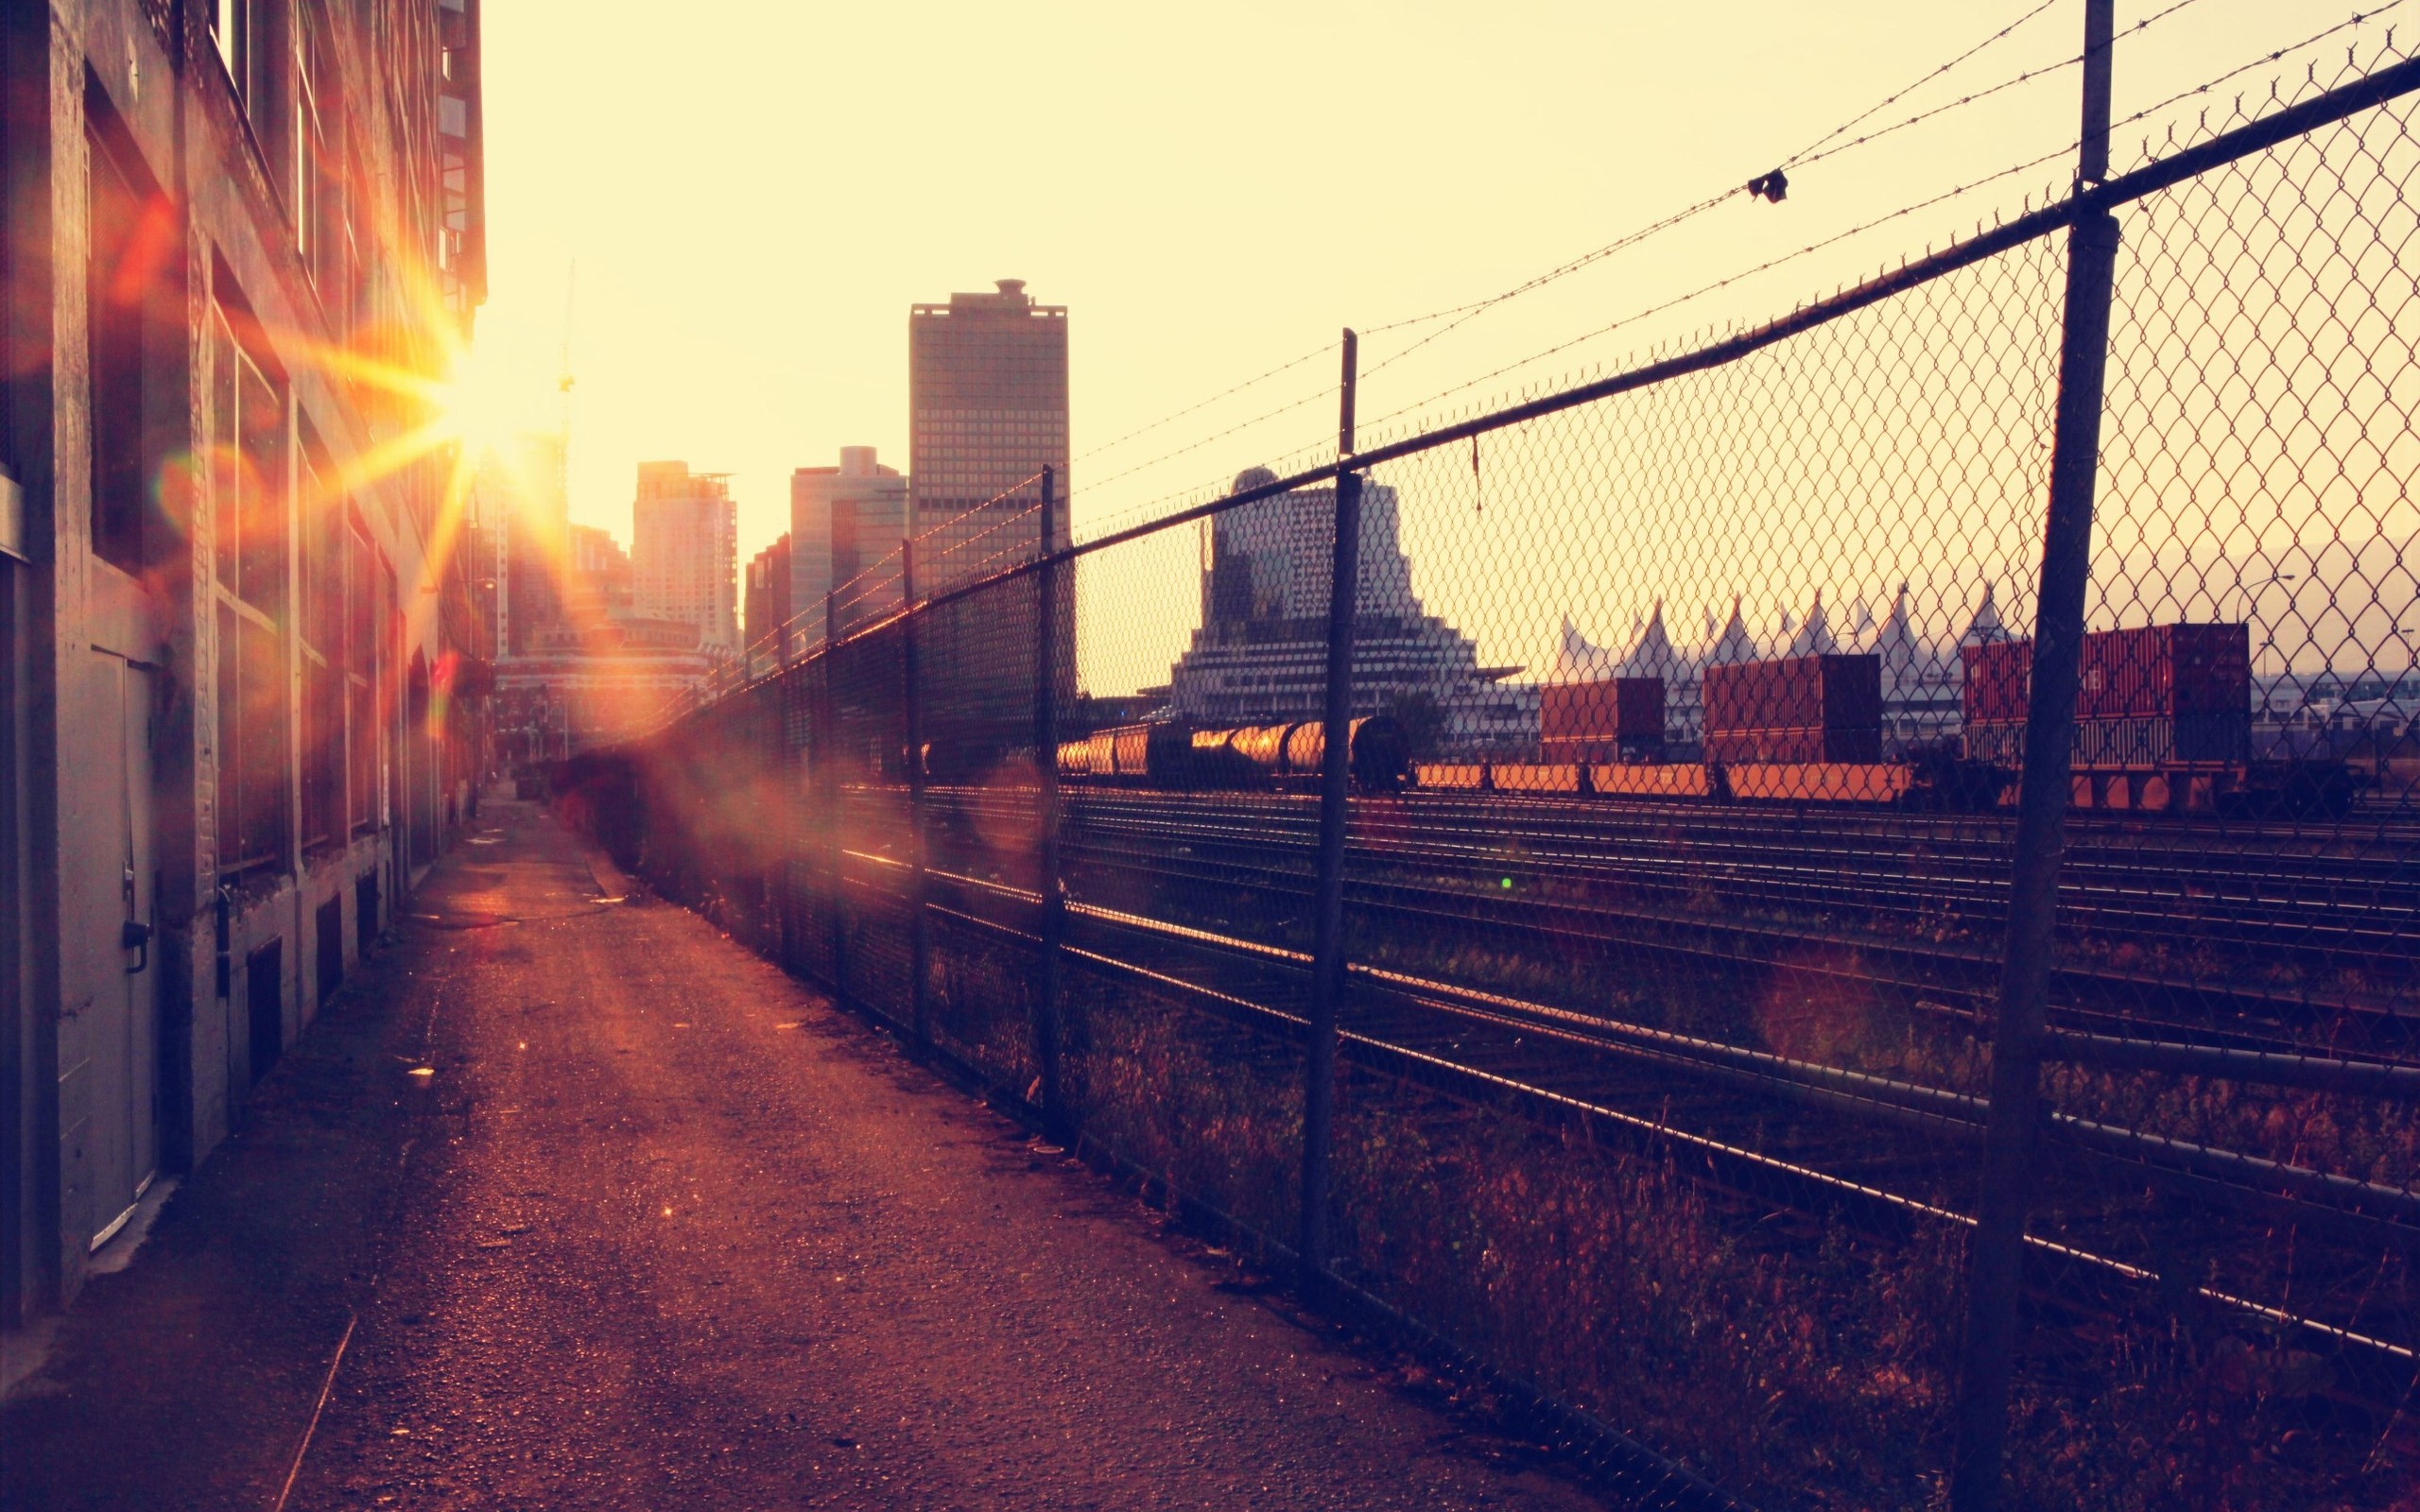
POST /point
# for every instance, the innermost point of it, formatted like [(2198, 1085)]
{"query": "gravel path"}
[(664, 1228)]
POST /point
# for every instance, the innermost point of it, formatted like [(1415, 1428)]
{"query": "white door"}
[(122, 1032)]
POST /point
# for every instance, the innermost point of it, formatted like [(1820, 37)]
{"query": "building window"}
[(249, 499), (320, 629), (132, 242)]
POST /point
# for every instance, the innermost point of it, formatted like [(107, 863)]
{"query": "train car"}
[(1174, 754), (2163, 724)]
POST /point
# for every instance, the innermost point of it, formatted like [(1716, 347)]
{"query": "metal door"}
[(122, 1033)]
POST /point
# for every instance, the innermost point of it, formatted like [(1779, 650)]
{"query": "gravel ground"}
[(664, 1228)]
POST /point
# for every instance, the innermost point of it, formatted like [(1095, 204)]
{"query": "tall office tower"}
[(599, 589), (520, 488), (987, 396), (685, 552), (843, 521), (765, 623)]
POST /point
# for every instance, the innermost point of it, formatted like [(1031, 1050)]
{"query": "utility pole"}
[(2012, 1135), (919, 942), (1336, 767), (1048, 887)]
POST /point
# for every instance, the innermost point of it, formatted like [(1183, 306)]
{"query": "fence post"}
[(919, 942), (1996, 1259), (831, 786), (1327, 937), (1048, 884)]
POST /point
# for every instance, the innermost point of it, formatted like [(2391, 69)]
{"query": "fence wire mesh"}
[(1684, 721)]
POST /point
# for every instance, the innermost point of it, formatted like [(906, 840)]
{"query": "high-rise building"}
[(519, 487), (1260, 656), (600, 587), (766, 617), (844, 521), (685, 552), (987, 398)]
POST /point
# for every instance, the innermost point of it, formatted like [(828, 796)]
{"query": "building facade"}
[(845, 520), (766, 607), (986, 402), (1261, 653), (684, 553), (238, 652)]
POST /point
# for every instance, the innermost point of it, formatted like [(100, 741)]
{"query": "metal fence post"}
[(831, 785), (918, 943), (1048, 884), (1327, 939), (1995, 1261)]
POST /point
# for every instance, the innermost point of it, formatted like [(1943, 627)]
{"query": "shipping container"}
[(1834, 695), (1999, 680), (1621, 709), (2157, 671)]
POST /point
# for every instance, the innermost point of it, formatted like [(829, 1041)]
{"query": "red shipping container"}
[(1998, 677), (2164, 670), (2154, 672), (1622, 709), (1820, 693)]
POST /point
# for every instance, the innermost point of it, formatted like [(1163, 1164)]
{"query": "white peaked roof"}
[(1651, 654), (1861, 618), (1577, 660), (1814, 638), (1908, 662), (1734, 644), (1985, 627)]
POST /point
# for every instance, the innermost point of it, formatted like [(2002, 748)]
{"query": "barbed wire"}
[(2358, 18)]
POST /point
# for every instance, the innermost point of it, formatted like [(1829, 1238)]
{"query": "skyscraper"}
[(987, 396), (843, 520), (765, 622), (685, 552)]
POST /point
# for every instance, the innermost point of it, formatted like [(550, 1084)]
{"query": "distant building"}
[(987, 399), (1261, 653), (766, 610), (600, 583), (1920, 680), (520, 488), (843, 521), (684, 553)]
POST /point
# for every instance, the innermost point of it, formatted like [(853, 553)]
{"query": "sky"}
[(722, 218), (752, 197)]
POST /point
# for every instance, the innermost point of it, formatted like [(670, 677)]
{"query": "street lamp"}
[(2250, 590)]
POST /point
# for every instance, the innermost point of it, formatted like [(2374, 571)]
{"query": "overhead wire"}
[(2358, 19)]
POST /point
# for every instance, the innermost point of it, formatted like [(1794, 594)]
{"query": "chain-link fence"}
[(1661, 973)]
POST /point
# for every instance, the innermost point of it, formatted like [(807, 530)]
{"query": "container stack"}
[(2158, 696), (1618, 719), (1800, 709)]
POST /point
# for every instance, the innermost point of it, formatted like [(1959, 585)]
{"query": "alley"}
[(605, 1212)]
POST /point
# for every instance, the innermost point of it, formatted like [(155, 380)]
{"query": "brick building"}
[(240, 666)]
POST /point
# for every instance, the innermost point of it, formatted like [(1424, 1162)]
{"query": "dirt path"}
[(665, 1229)]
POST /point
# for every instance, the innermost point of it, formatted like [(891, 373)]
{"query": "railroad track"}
[(1898, 918), (1808, 1139)]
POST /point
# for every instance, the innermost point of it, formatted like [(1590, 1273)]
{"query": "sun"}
[(479, 405)]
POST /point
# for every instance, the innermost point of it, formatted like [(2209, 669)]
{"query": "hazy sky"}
[(754, 193)]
